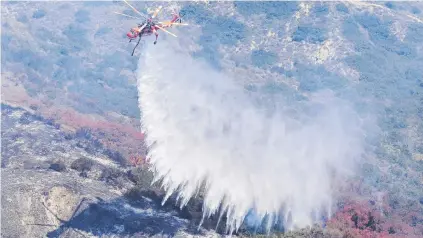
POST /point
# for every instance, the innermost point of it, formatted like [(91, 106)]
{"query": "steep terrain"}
[(68, 66), (57, 184)]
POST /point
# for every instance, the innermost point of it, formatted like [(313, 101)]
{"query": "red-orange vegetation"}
[(376, 220), (138, 160)]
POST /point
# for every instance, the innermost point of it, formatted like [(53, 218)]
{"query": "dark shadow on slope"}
[(116, 218), (137, 214), (192, 212)]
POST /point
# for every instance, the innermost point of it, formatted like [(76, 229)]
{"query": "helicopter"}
[(150, 25)]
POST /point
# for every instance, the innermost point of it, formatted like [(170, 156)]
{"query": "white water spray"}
[(206, 128)]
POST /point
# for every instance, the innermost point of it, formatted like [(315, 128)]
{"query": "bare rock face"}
[(22, 208), (70, 192), (35, 202), (62, 201)]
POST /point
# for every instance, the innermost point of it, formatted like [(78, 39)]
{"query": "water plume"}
[(207, 131)]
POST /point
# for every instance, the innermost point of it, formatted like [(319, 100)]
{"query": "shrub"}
[(51, 122), (82, 165), (58, 166), (33, 107), (132, 194), (135, 195), (110, 174), (83, 133), (25, 119), (142, 177), (68, 136), (116, 156), (84, 174)]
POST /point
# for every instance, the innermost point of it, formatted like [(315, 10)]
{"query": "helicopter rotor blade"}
[(180, 24), (174, 23), (164, 23), (133, 8), (168, 32), (127, 15), (157, 12)]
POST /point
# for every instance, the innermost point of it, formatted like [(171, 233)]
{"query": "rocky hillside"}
[(67, 66), (57, 184)]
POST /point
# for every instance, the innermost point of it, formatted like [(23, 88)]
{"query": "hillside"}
[(73, 99)]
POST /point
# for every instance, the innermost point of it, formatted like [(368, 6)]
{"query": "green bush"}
[(142, 177)]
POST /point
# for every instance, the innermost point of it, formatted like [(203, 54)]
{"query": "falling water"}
[(205, 128)]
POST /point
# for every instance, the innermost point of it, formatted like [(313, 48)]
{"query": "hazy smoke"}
[(206, 128)]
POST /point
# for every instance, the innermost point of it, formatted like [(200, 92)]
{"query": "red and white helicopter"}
[(150, 25)]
